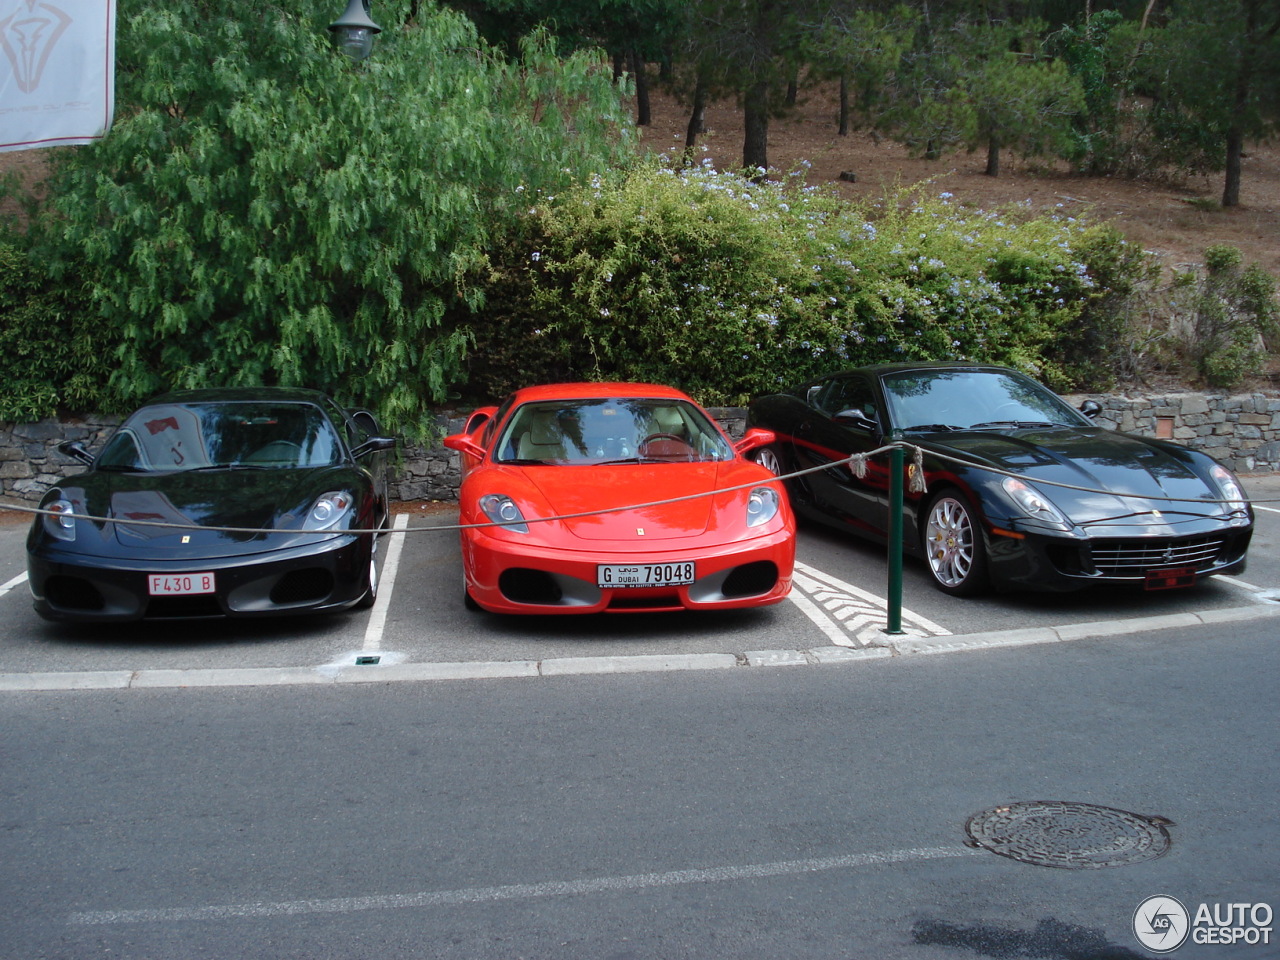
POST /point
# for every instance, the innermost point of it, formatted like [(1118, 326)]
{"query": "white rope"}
[(857, 464)]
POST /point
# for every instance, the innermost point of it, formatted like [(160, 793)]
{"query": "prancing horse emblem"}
[(639, 531)]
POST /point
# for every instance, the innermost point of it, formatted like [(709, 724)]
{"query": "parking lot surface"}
[(420, 629)]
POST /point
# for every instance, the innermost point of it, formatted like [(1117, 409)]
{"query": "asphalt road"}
[(836, 612), (786, 813)]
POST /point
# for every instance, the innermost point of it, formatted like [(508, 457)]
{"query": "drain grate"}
[(1073, 836)]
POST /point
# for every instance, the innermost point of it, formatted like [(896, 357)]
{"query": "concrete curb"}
[(331, 674)]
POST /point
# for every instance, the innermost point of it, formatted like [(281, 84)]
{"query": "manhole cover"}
[(1075, 836)]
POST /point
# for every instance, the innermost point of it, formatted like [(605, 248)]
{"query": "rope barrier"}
[(857, 464)]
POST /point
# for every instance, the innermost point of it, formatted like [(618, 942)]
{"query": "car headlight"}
[(329, 510), (1231, 491), (500, 508), (762, 506), (60, 522), (1035, 504)]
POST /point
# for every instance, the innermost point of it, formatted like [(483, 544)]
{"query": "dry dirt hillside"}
[(1178, 222)]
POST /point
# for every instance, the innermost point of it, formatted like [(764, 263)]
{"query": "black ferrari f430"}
[(216, 503)]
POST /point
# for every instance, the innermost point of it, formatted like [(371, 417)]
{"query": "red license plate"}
[(1173, 578), (179, 584)]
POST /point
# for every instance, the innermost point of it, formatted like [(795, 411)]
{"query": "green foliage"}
[(266, 211), (1223, 316), (52, 349), (729, 288)]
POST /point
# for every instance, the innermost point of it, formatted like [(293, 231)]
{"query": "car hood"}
[(1152, 473), (195, 501), (571, 490)]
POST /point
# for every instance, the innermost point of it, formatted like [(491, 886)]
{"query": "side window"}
[(848, 393)]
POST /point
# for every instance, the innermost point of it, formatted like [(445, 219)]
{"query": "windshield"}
[(195, 436), (610, 430), (968, 399)]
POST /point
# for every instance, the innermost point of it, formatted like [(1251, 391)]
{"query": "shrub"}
[(52, 348), (730, 288), (1221, 317)]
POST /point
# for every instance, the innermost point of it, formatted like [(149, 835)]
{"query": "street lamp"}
[(354, 30)]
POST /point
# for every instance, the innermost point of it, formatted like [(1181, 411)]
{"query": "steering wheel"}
[(665, 445)]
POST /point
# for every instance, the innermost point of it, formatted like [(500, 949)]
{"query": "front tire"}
[(954, 547)]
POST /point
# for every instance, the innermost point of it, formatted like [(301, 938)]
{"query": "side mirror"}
[(853, 417), (755, 438), (1091, 409), (463, 443), (374, 445), (479, 418), (74, 450)]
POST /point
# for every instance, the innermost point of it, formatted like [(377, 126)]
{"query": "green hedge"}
[(53, 351), (730, 288)]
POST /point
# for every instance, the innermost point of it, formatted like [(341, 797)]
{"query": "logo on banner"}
[(28, 36), (57, 72)]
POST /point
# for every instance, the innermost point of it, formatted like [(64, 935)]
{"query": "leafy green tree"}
[(1217, 63), (267, 211), (1020, 100)]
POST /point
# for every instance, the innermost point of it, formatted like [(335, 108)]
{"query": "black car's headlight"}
[(60, 522), (1232, 492), (329, 510), (500, 508), (762, 506), (1035, 504)]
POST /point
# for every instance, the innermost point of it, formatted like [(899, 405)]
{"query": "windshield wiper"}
[(933, 428), (1016, 424)]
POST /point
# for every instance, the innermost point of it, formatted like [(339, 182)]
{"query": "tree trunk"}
[(644, 115), (696, 117), (793, 91), (755, 143), (844, 106), (993, 157)]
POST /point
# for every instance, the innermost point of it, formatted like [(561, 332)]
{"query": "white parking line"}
[(849, 615), (17, 581), (386, 583), (521, 891), (1258, 506)]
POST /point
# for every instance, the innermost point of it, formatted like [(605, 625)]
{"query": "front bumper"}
[(1040, 562), (331, 574), (503, 576)]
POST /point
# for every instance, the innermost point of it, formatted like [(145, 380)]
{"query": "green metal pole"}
[(895, 540)]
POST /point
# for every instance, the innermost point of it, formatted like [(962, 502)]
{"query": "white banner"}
[(57, 72)]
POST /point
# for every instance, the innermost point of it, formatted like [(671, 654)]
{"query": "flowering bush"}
[(728, 288)]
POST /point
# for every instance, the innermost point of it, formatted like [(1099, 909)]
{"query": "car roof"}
[(878, 369), (599, 391), (242, 394)]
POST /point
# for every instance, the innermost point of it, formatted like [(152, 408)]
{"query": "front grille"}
[(73, 593), (1133, 558), (522, 585), (751, 579), (302, 586), (636, 600)]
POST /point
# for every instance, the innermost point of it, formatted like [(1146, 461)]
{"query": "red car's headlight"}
[(500, 508), (762, 506)]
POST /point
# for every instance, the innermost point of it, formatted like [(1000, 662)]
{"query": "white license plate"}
[(179, 584), (644, 574)]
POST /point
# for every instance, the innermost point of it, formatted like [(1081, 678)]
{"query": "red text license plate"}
[(179, 584), (644, 574), (1172, 579)]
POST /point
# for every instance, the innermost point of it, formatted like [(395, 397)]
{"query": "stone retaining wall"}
[(1241, 431)]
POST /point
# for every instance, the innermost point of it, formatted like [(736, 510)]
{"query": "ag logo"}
[(1161, 924)]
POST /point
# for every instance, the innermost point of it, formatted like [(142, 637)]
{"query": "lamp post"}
[(354, 30)]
